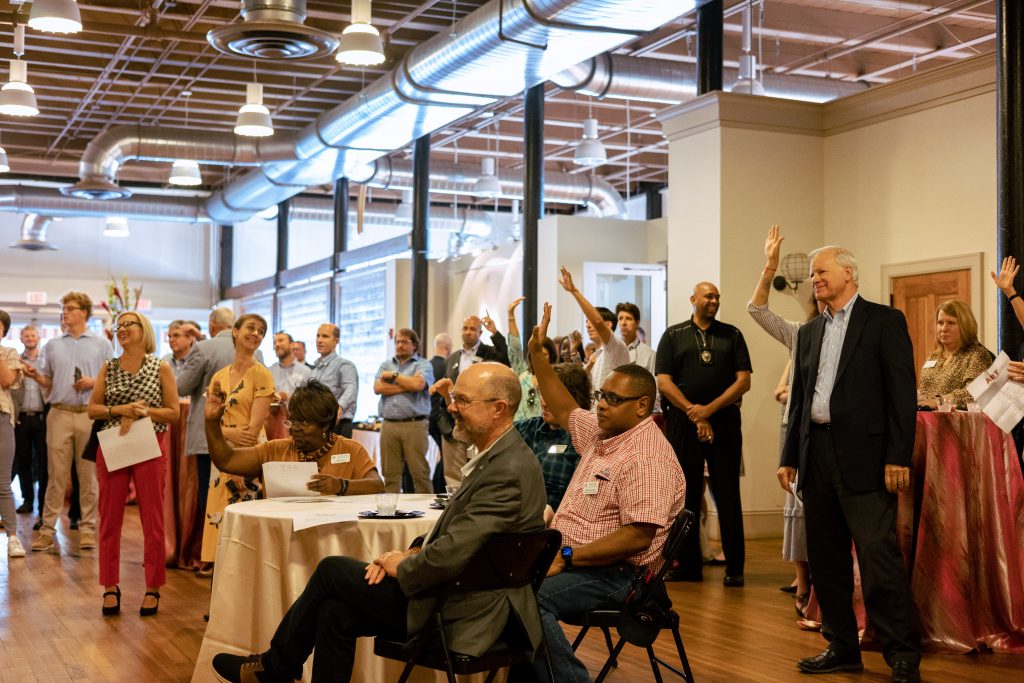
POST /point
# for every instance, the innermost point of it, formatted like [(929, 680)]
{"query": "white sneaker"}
[(14, 547)]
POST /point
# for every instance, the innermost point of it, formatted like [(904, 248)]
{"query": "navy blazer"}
[(874, 398)]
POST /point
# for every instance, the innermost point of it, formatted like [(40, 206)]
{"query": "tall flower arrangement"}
[(120, 298)]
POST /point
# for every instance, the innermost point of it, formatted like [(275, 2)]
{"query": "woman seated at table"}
[(957, 359), (344, 467)]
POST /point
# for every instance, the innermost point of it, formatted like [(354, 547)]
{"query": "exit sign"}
[(35, 298)]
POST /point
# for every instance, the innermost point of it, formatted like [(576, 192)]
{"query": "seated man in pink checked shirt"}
[(616, 513)]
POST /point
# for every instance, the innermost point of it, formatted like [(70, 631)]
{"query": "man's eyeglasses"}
[(612, 399), (461, 402), (126, 325)]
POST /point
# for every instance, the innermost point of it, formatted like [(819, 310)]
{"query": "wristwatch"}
[(567, 556)]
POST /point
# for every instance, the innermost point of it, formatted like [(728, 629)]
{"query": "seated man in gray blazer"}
[(502, 492)]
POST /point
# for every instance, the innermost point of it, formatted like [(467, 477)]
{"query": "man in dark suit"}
[(453, 451), (347, 598), (850, 437)]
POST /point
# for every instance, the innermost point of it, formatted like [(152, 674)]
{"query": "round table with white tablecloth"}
[(263, 565)]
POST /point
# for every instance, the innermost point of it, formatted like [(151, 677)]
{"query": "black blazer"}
[(873, 401), (497, 353)]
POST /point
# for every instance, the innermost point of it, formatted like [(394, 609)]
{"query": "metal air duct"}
[(670, 82), (49, 202), (33, 234), (273, 29), (461, 179), (497, 51)]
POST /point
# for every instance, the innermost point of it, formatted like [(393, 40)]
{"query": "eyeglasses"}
[(612, 399), (72, 308), (461, 402), (125, 325), (296, 424)]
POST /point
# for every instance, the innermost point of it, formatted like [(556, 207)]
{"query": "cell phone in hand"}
[(78, 373)]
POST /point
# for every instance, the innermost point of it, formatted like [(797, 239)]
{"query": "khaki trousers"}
[(454, 454), (405, 442), (66, 436)]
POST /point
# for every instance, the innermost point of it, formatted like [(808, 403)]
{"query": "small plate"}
[(399, 514), (434, 505)]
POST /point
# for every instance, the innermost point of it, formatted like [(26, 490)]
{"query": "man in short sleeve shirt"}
[(703, 370)]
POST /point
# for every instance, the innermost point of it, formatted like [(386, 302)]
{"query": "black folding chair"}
[(505, 561), (648, 611)]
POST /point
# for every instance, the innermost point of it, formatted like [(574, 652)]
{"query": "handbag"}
[(93, 444)]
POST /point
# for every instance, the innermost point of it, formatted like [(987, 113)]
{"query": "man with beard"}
[(453, 451), (618, 508), (346, 598), (703, 370), (338, 374), (299, 349), (288, 372)]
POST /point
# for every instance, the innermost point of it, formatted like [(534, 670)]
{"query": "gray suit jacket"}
[(504, 494), (202, 362)]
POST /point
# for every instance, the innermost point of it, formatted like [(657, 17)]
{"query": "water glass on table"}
[(945, 404), (386, 504)]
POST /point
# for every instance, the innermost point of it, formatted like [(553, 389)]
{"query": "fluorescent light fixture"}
[(117, 226), (253, 118), (590, 151), (5, 165), (403, 214), (360, 41), (487, 186), (16, 96), (55, 16), (185, 172)]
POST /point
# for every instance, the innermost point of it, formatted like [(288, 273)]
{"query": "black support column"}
[(283, 220), (420, 226), (227, 258), (1010, 168), (340, 238), (533, 200), (709, 46)]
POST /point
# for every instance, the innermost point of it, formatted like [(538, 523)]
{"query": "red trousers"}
[(149, 493)]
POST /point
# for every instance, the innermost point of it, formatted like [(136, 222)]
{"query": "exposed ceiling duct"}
[(461, 179), (33, 234), (497, 51), (273, 29), (22, 198), (671, 82)]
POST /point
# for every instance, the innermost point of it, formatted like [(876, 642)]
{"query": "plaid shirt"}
[(638, 481), (546, 442)]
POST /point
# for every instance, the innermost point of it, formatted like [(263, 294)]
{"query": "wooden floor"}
[(51, 628)]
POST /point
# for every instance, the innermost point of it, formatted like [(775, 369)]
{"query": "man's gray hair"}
[(508, 388), (443, 340), (222, 317), (844, 259)]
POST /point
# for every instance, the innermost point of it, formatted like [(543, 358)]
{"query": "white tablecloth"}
[(262, 566)]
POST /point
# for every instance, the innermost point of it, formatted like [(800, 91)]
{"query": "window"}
[(302, 310), (362, 316)]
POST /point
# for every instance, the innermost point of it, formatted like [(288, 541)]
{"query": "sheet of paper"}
[(324, 515), (138, 445), (282, 479), (999, 398)]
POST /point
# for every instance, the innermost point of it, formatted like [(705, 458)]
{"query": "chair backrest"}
[(509, 561), (676, 535)]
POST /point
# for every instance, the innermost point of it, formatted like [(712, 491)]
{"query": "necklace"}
[(704, 344), (318, 453)]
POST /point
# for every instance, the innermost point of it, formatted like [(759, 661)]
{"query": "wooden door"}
[(919, 296)]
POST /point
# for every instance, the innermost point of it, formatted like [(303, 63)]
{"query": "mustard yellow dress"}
[(257, 382)]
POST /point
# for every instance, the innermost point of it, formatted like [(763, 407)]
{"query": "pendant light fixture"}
[(185, 171), (5, 165), (360, 41), (117, 226), (55, 16), (747, 81), (16, 96), (590, 151), (487, 185), (254, 118)]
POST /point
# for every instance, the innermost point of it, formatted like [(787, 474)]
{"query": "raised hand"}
[(1007, 274), (488, 323), (443, 387), (566, 281), (772, 246), (512, 306)]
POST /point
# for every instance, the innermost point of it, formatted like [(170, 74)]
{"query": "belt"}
[(407, 419), (30, 413), (827, 426), (69, 408)]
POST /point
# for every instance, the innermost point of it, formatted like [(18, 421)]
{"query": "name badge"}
[(557, 449), (590, 488), (340, 458), (929, 364)]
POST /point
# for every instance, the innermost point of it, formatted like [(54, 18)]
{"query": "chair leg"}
[(608, 643), (611, 658), (682, 655), (579, 637), (654, 665), (405, 672), (491, 675)]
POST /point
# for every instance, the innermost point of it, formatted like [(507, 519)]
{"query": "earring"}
[(324, 436)]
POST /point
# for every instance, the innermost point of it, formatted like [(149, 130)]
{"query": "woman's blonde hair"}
[(148, 338), (964, 319)]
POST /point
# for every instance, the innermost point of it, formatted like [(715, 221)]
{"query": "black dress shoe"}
[(678, 574), (788, 589), (733, 581), (829, 661), (74, 525), (905, 671), (38, 525), (24, 509)]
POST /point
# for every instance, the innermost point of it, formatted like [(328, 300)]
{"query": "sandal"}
[(801, 604), (113, 609), (150, 611)]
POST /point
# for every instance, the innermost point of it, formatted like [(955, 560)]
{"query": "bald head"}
[(492, 381), (471, 328), (705, 301), (484, 402)]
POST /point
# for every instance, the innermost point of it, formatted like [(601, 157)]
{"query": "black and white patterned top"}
[(124, 387)]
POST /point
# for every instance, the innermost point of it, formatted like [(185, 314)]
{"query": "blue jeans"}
[(573, 592)]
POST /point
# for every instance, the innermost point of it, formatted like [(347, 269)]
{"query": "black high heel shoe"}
[(115, 609), (150, 611)]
